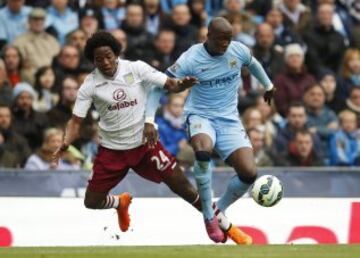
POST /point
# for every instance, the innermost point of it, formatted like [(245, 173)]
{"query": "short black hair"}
[(101, 39)]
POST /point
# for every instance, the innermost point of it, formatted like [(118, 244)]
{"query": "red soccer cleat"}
[(214, 231), (123, 211)]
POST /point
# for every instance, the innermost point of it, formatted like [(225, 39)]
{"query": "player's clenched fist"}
[(150, 135)]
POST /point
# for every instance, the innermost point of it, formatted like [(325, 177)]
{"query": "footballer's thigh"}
[(158, 165), (108, 170), (234, 146), (202, 134)]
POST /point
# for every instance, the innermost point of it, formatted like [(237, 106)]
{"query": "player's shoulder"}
[(92, 79), (193, 50), (136, 67), (236, 45)]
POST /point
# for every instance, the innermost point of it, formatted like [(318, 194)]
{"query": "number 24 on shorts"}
[(162, 161)]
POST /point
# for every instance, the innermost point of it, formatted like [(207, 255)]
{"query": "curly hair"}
[(101, 39)]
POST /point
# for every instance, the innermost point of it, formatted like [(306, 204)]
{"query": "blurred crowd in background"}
[(310, 49)]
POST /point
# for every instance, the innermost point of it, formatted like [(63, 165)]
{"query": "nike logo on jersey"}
[(101, 84)]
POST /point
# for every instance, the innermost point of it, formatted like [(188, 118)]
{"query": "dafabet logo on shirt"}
[(119, 95)]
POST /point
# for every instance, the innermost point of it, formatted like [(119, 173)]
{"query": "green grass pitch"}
[(273, 251)]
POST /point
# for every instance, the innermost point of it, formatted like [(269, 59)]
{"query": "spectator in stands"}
[(172, 129), (153, 16), (13, 20), (283, 35), (327, 81), (90, 148), (168, 5), (344, 145), (258, 9), (252, 118), (325, 45), (301, 152), (14, 65), (139, 40), (67, 63), (238, 33), (121, 37), (113, 14), (44, 82), (5, 88), (291, 83), (14, 142), (321, 119), (199, 16), (91, 21), (213, 7), (297, 16), (235, 8), (162, 53), (231, 7), (341, 20), (42, 158), (271, 58), (186, 33), (296, 120), (77, 38), (61, 19), (202, 35), (61, 113), (350, 72), (36, 46), (261, 153), (7, 158), (26, 121), (271, 120), (353, 102)]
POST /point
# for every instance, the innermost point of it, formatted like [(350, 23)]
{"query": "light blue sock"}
[(234, 191), (202, 170)]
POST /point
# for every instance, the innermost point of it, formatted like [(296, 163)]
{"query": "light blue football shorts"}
[(227, 135)]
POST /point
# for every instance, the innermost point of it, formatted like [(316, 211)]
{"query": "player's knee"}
[(203, 156), (91, 203), (248, 178), (203, 160)]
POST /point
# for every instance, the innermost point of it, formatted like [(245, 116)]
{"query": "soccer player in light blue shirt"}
[(213, 120)]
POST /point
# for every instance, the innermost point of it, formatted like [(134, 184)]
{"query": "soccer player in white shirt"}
[(119, 90)]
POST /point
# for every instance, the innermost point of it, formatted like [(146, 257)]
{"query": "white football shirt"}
[(120, 101)]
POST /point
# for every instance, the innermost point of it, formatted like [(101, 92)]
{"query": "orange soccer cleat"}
[(123, 211), (238, 236)]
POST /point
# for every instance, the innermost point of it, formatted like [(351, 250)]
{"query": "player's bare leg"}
[(180, 185), (242, 160), (121, 203)]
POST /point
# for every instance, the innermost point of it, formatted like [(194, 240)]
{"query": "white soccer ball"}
[(267, 190)]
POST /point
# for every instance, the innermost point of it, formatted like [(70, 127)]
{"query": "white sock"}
[(111, 201), (224, 223)]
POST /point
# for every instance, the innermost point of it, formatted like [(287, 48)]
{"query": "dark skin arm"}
[(72, 132), (150, 134), (179, 85)]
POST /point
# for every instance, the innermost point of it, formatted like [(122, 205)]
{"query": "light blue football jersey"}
[(216, 94)]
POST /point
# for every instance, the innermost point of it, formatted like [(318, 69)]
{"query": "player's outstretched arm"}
[(72, 132), (178, 85), (258, 71)]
